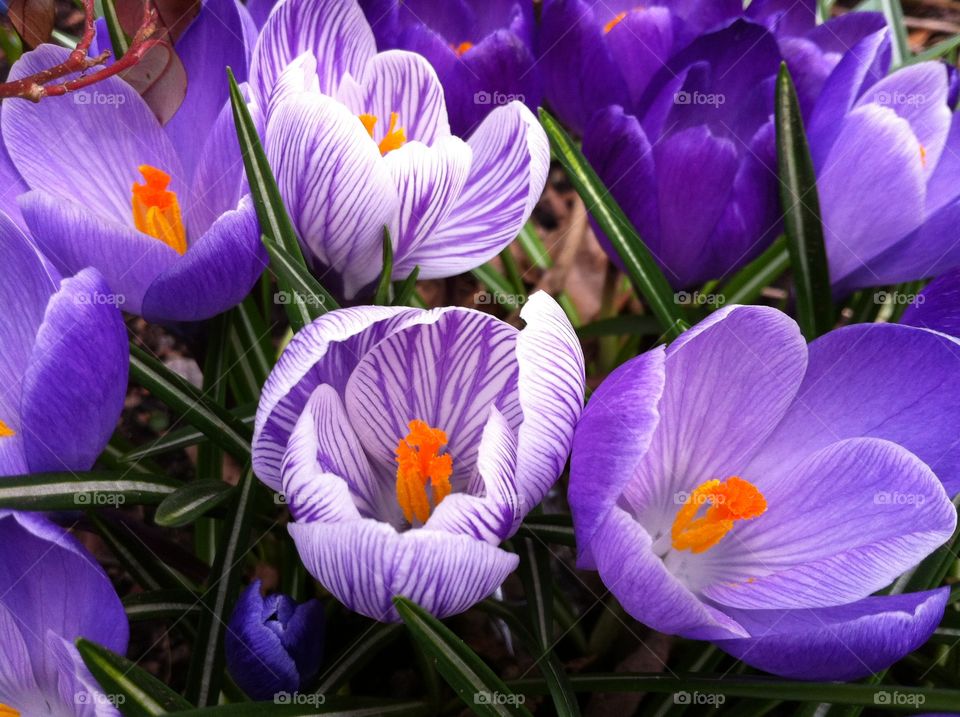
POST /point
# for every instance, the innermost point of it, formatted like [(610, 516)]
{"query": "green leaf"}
[(513, 275), (192, 501), (549, 529), (184, 438), (493, 280), (534, 249), (628, 324), (641, 267), (135, 693), (251, 352), (382, 297), (938, 51), (356, 655), (746, 285), (206, 666), (161, 604), (893, 11), (801, 210), (469, 676), (118, 38), (213, 420), (403, 290), (140, 561), (308, 705), (72, 491), (303, 298)]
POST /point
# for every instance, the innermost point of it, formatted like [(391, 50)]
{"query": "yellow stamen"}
[(393, 139), (923, 156), (461, 48), (617, 19), (6, 432), (156, 210), (419, 461), (7, 711), (729, 501)]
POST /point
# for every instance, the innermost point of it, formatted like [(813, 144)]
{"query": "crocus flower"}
[(54, 592), (360, 141), (274, 645), (745, 488), (63, 362), (156, 209), (887, 155), (408, 444), (694, 168), (482, 50)]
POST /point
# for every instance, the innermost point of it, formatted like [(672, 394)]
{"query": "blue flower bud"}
[(273, 644)]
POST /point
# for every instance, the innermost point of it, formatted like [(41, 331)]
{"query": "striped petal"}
[(365, 564), (333, 31), (551, 387), (447, 369), (339, 192), (325, 351), (511, 157)]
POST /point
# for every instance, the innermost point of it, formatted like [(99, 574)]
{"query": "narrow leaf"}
[(751, 280), (382, 297), (183, 438), (192, 501), (303, 298), (73, 491), (403, 291), (161, 604), (801, 211), (300, 705), (356, 655)]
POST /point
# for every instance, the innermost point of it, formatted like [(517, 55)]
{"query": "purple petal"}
[(12, 185), (841, 525), (365, 564), (214, 41), (18, 685), (430, 180), (218, 270), (938, 307), (74, 388), (511, 158), (447, 369), (611, 439), (109, 126), (551, 386), (838, 643), (77, 688), (333, 31), (641, 43), (325, 351), (73, 238), (785, 17), (879, 380), (337, 188)]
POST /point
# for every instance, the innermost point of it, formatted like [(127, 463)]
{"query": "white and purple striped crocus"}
[(158, 210), (887, 153), (63, 362), (360, 141), (408, 444), (745, 488), (54, 592)]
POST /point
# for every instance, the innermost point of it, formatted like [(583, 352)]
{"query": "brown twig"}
[(37, 86)]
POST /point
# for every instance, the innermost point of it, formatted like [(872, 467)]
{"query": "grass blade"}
[(382, 297), (191, 502), (72, 491)]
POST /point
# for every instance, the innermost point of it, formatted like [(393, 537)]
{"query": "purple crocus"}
[(745, 488), (937, 307), (63, 362), (360, 141), (410, 443), (274, 645), (694, 167), (482, 50), (54, 592), (158, 210), (887, 155)]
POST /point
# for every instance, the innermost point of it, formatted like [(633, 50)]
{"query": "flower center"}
[(617, 19), (419, 462), (727, 502), (5, 432), (462, 48), (156, 210), (393, 139)]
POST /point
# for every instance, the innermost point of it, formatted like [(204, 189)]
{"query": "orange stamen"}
[(729, 501), (419, 461), (923, 156), (462, 48), (6, 432), (617, 19), (8, 711), (156, 210), (393, 139)]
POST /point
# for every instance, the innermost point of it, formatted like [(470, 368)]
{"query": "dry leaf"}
[(33, 19)]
